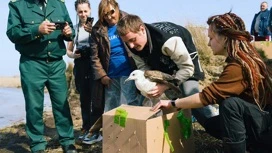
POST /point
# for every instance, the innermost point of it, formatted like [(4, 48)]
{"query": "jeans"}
[(118, 89), (191, 87)]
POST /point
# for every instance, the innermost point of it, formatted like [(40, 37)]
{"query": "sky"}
[(182, 12)]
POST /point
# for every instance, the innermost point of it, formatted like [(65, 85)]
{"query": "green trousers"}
[(35, 75)]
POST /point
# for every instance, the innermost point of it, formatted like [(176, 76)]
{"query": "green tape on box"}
[(166, 135), (120, 117), (185, 124)]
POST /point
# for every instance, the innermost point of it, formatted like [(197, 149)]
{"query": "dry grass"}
[(12, 82), (212, 65)]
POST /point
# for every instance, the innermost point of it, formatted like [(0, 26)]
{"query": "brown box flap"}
[(135, 112)]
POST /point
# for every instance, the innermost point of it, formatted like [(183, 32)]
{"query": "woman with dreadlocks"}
[(243, 90)]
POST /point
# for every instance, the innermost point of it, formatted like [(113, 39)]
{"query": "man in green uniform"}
[(31, 27)]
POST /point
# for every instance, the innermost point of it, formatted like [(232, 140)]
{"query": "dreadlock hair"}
[(77, 2), (239, 48)]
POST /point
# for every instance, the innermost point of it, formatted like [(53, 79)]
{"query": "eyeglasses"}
[(110, 13)]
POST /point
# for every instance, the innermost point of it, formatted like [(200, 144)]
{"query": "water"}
[(12, 106)]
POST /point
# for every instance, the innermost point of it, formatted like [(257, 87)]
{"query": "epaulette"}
[(62, 1), (13, 1)]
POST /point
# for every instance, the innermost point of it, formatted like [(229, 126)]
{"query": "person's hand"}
[(106, 81), (67, 30), (46, 27), (157, 91), (162, 104), (88, 27), (76, 54)]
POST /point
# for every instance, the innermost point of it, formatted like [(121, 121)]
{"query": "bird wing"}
[(155, 74), (163, 78)]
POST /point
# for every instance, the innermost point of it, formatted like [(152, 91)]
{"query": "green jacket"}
[(24, 19)]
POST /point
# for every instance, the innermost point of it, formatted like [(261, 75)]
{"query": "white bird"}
[(145, 81)]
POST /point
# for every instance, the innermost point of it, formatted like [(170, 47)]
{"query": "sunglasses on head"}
[(110, 13)]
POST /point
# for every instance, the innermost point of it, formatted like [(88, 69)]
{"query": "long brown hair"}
[(239, 48), (103, 5)]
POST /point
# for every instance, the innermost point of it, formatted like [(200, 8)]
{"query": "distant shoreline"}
[(10, 81)]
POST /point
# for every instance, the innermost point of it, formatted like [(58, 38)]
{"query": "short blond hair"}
[(129, 23)]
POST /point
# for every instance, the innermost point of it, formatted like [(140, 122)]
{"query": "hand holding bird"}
[(152, 84)]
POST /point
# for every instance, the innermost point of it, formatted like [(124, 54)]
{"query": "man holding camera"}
[(32, 29)]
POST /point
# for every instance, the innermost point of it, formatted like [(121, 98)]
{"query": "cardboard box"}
[(142, 131)]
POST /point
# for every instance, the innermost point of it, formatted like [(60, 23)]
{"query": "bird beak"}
[(128, 79)]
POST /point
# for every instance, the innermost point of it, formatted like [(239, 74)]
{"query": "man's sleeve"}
[(68, 19), (270, 20), (176, 49), (15, 32)]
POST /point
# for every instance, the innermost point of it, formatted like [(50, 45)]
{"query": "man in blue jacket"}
[(260, 24)]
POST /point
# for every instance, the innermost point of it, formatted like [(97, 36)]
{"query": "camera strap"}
[(77, 34)]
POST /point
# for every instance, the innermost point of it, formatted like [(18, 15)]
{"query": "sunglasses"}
[(110, 13)]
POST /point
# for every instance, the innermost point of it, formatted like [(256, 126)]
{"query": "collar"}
[(50, 6), (149, 41), (37, 1)]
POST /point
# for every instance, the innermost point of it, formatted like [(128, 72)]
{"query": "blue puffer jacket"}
[(263, 26)]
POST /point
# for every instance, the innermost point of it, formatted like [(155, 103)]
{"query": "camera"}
[(60, 25), (89, 20), (84, 51)]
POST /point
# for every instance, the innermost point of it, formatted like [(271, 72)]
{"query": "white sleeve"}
[(176, 49)]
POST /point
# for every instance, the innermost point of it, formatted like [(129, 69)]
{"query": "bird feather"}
[(147, 80)]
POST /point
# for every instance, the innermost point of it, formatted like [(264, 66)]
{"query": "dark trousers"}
[(260, 38), (191, 87), (240, 121), (84, 84)]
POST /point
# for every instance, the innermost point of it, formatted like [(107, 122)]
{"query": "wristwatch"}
[(173, 103)]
